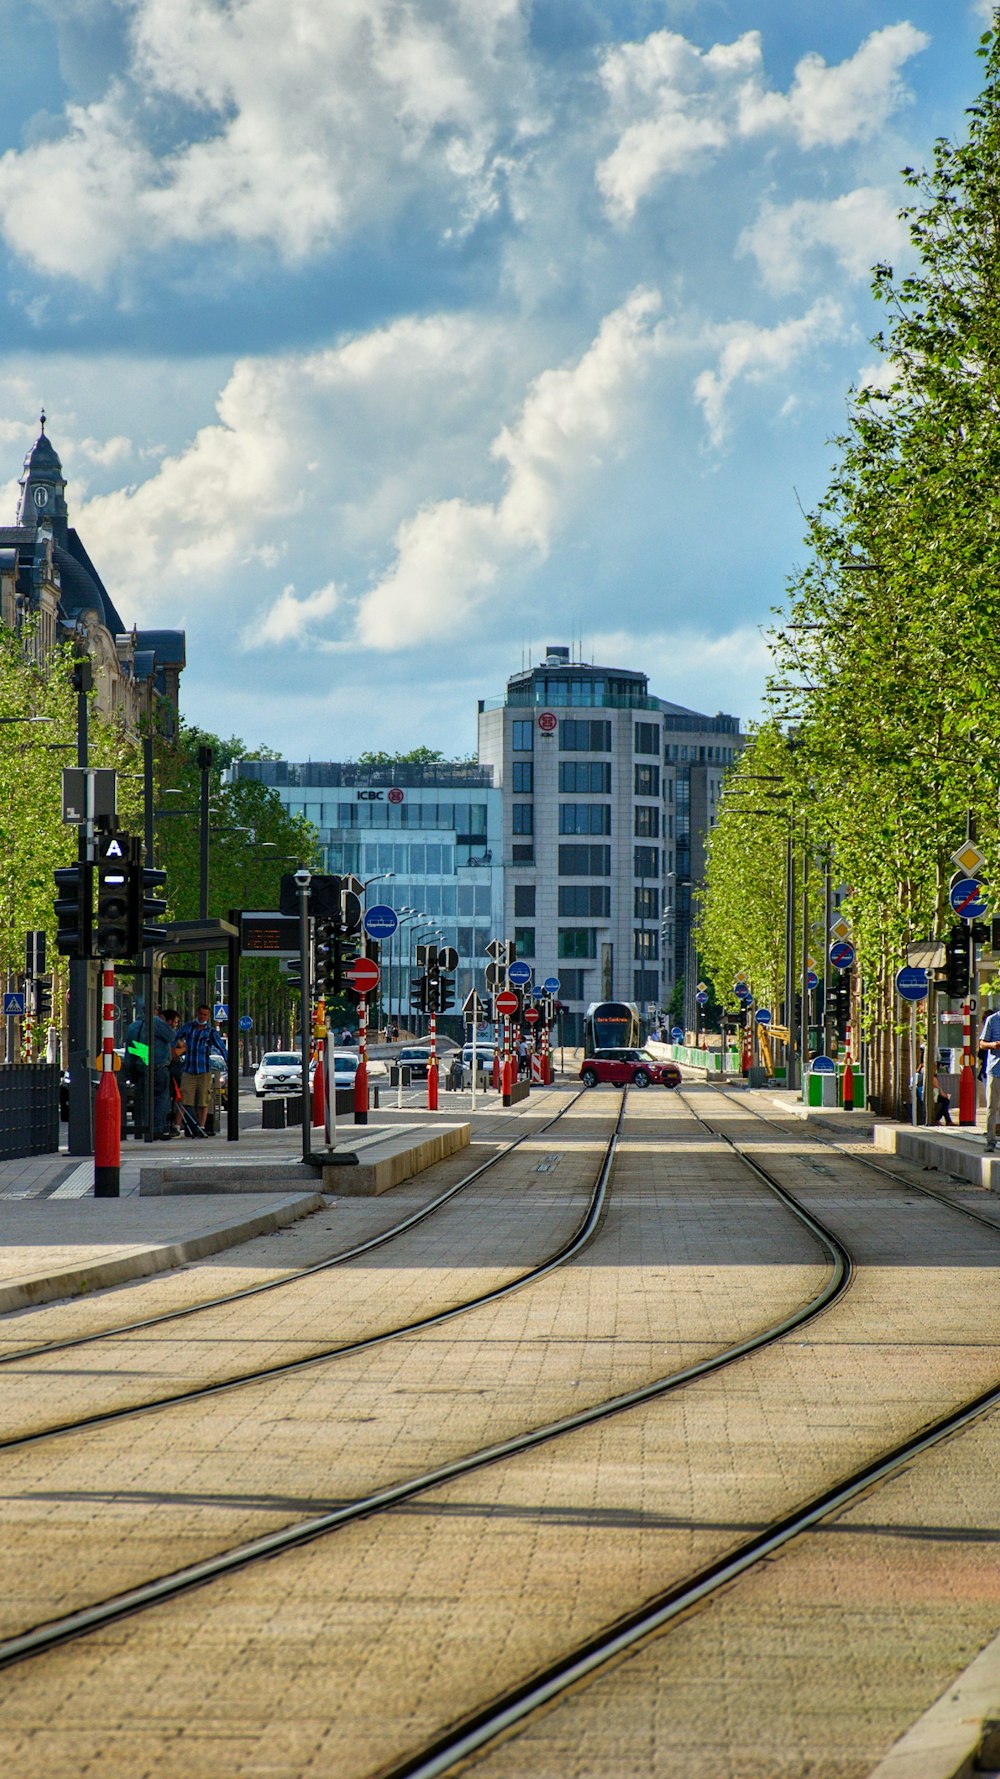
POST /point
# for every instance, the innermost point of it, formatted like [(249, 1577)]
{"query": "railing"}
[(29, 1109)]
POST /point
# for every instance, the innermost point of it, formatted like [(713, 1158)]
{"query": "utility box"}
[(820, 1089)]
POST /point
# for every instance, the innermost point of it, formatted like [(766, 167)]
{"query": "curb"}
[(96, 1275)]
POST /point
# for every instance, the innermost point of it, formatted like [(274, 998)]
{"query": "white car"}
[(280, 1071), (485, 1053), (345, 1067)]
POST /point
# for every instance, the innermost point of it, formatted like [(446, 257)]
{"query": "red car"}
[(634, 1068)]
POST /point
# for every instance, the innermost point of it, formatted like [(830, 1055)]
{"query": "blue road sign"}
[(677, 1034), (551, 985), (13, 1006), (220, 1010), (911, 983), (967, 899), (519, 975), (744, 995), (762, 1016), (702, 999), (842, 954), (246, 1023), (822, 1065), (381, 921), (812, 980)]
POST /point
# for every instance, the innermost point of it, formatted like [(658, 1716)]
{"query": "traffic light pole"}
[(108, 1107), (78, 1027), (303, 880)]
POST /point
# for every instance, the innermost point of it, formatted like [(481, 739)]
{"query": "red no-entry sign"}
[(530, 1015), (363, 975), (506, 1002)]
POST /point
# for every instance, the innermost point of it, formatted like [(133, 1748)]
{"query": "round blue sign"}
[(911, 983), (744, 995), (519, 975), (677, 1034), (967, 899), (763, 1016), (812, 980), (246, 1023), (822, 1065), (381, 921), (842, 954), (551, 985), (702, 999)]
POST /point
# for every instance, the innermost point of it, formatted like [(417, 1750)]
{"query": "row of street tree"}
[(881, 743)]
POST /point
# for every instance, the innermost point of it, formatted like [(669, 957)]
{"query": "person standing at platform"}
[(989, 1041), (199, 1038)]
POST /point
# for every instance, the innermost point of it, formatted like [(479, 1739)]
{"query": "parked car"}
[(345, 1067), (484, 1058), (635, 1068), (279, 1071)]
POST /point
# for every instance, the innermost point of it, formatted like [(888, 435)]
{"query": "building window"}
[(577, 942), (585, 775), (523, 818), (593, 899), (584, 818), (646, 944), (646, 861), (523, 737), (647, 781), (585, 735), (585, 861), (646, 987), (523, 776), (524, 899), (522, 855), (647, 903), (647, 738), (524, 941), (571, 986), (647, 821)]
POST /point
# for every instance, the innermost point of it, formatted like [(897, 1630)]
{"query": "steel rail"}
[(102, 1613), (579, 1238), (304, 1272)]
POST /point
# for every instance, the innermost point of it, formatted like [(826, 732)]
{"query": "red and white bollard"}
[(432, 1069), (108, 1106), (361, 1073), (319, 1089), (967, 1077)]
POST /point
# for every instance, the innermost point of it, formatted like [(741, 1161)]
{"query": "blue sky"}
[(386, 343)]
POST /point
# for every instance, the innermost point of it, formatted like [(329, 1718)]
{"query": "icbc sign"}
[(395, 795), (548, 722)]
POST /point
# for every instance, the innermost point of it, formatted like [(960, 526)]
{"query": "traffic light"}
[(41, 998), (112, 899), (840, 1003), (146, 908), (418, 995), (446, 994), (956, 963), (73, 909), (326, 961)]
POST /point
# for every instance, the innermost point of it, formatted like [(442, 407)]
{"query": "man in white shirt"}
[(989, 1040)]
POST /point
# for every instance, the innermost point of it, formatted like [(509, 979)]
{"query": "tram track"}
[(506, 1714), (41, 1638)]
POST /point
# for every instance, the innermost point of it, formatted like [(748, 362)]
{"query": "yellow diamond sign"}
[(840, 929), (969, 858)]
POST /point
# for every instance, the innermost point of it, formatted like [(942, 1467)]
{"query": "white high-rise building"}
[(608, 795)]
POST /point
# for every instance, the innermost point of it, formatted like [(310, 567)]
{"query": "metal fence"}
[(29, 1109)]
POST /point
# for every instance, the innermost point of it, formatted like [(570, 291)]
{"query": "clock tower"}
[(43, 488)]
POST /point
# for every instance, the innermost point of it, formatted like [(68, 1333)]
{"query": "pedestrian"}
[(175, 1116), (989, 1041), (942, 1100), (523, 1059), (200, 1039), (137, 1061)]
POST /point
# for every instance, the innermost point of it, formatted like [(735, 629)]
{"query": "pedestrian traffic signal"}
[(111, 899), (956, 963), (73, 909)]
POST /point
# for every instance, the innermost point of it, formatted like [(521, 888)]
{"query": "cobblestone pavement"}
[(356, 1649)]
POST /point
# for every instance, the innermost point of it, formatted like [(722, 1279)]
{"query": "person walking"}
[(200, 1039), (989, 1041), (942, 1100)]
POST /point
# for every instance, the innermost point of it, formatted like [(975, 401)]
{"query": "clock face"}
[(40, 497)]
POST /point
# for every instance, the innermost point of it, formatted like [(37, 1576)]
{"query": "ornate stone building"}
[(46, 573)]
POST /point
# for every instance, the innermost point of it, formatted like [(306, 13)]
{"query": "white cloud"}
[(292, 619), (753, 354), (451, 552), (318, 116), (673, 105), (858, 228)]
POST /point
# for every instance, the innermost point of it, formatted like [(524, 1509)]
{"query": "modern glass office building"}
[(425, 839)]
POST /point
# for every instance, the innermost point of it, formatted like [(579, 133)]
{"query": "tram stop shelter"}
[(186, 938)]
